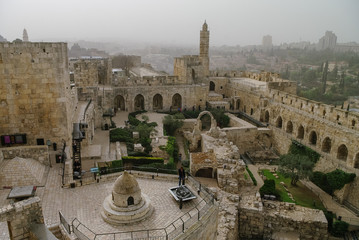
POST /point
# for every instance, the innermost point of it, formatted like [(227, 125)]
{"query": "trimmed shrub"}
[(169, 168), (338, 178), (335, 180), (121, 135), (339, 228), (110, 167), (298, 148), (133, 120), (138, 161), (268, 188)]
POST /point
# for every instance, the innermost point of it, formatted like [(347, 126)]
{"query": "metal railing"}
[(172, 230)]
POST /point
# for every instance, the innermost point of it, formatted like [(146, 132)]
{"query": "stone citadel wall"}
[(35, 91)]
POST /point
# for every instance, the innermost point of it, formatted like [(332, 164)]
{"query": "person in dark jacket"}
[(181, 176)]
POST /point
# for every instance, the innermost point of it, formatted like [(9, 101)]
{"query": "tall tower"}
[(25, 37), (203, 49)]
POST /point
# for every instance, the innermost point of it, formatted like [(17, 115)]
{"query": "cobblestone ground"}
[(84, 203)]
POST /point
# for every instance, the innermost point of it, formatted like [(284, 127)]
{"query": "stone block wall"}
[(259, 220), (191, 95), (244, 138), (35, 91), (90, 72), (20, 216), (39, 153)]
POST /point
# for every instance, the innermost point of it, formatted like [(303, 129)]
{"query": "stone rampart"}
[(38, 153)]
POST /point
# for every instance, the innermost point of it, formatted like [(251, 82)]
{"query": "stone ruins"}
[(49, 101)]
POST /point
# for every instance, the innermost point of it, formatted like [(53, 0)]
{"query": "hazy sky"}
[(231, 22)]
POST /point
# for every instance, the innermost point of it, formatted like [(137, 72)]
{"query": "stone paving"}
[(84, 203)]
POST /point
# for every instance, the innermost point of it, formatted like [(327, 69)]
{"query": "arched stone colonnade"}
[(316, 137)]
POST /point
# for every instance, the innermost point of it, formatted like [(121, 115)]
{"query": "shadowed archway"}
[(139, 103), (158, 102)]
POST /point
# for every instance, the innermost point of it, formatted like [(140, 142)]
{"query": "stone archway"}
[(177, 101), (289, 127), (130, 201), (313, 138), (342, 153), (266, 116), (199, 120), (238, 104), (356, 161), (193, 74), (212, 86), (300, 134), (279, 122), (205, 172), (205, 122), (139, 102), (120, 104), (158, 102), (327, 145)]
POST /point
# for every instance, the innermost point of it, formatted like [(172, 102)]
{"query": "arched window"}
[(313, 138), (300, 132), (327, 145), (139, 102), (356, 161), (212, 86), (130, 201), (266, 117), (176, 101), (157, 102), (238, 104), (279, 122), (120, 103), (193, 74), (289, 127), (342, 152)]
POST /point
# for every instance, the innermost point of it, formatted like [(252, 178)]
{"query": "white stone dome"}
[(126, 184)]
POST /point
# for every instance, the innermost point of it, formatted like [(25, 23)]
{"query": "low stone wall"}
[(259, 220), (188, 125), (38, 153), (21, 215)]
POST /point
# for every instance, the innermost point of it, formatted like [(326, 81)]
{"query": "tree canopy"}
[(296, 167)]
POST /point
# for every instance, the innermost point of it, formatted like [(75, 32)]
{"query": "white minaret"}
[(25, 37)]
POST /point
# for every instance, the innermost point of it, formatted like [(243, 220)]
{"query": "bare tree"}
[(125, 62)]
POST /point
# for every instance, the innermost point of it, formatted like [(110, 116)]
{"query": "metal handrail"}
[(207, 198)]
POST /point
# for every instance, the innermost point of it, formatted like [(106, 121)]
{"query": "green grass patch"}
[(301, 194)]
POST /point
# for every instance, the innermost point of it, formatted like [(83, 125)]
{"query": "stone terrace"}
[(84, 203)]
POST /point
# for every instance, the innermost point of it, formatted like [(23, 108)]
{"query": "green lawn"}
[(301, 194)]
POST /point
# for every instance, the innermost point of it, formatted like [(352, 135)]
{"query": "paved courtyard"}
[(84, 203)]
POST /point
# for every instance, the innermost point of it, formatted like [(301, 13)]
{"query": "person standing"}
[(181, 176)]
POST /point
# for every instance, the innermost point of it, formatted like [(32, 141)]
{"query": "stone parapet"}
[(38, 153)]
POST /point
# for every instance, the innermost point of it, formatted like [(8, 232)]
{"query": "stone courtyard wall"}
[(35, 91), (38, 153), (259, 220)]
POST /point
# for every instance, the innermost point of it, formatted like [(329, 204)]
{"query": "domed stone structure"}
[(126, 204)]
